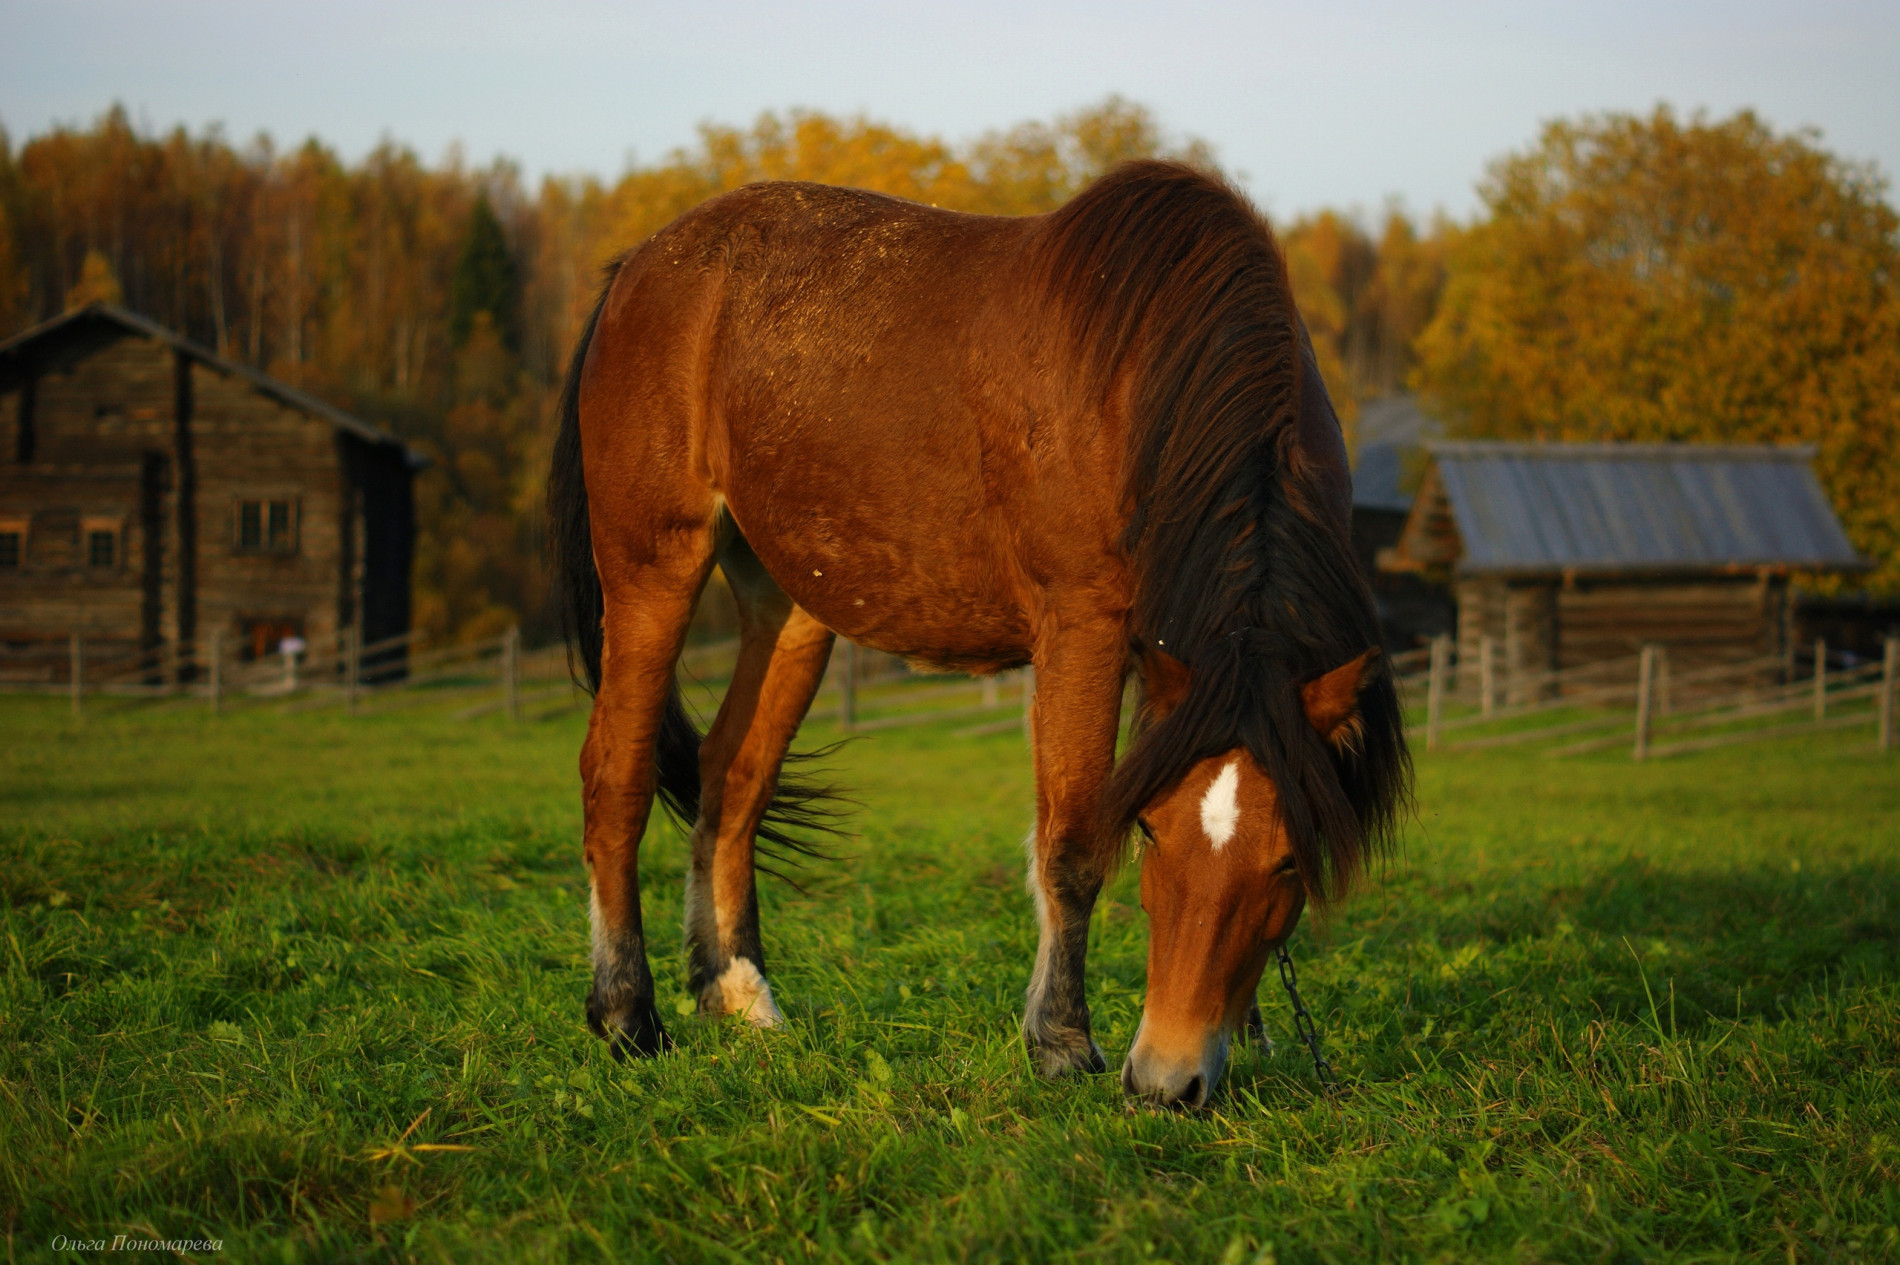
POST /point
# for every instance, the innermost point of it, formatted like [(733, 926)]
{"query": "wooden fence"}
[(863, 691), (1641, 703), (1637, 701)]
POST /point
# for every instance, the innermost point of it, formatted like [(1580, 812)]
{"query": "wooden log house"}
[(154, 494), (1563, 555)]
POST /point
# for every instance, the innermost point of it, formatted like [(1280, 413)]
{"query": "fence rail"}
[(1637, 700), (863, 691), (1640, 702)]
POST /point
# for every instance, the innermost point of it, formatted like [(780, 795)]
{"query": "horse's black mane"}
[(1243, 565)]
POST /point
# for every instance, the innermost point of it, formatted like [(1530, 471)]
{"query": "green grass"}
[(312, 986)]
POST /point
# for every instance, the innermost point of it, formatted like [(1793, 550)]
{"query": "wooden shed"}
[(1564, 555), (154, 494)]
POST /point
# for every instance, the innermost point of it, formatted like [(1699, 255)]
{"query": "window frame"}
[(91, 525), (21, 529), (268, 545)]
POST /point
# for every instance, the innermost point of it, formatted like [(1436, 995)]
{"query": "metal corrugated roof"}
[(1638, 507)]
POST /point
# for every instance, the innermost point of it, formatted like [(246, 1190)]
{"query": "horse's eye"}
[(1147, 831), (1288, 866)]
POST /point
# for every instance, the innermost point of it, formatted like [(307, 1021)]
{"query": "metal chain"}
[(1304, 1025)]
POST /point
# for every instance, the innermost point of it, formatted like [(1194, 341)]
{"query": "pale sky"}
[(1318, 104)]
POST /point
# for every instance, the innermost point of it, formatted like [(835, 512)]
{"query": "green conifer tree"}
[(486, 279)]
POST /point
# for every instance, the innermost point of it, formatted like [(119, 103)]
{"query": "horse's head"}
[(1222, 885)]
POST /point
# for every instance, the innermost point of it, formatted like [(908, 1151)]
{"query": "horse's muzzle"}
[(1183, 1080)]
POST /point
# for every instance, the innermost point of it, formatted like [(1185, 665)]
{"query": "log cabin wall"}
[(1480, 615), (1539, 625), (91, 456), (254, 450), (1700, 623), (1532, 636), (1522, 620), (127, 464)]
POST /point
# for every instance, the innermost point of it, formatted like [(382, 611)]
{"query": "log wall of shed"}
[(100, 436), (130, 431), (1521, 619), (1701, 623), (251, 448), (1537, 625)]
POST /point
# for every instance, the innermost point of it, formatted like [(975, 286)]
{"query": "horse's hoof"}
[(1064, 1053), (635, 1031)]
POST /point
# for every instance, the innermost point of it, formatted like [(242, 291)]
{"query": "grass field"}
[(312, 986)]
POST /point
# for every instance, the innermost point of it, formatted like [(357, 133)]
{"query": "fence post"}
[(1487, 685), (217, 672), (1663, 702), (511, 670), (352, 666), (992, 696), (1645, 694), (848, 689), (1889, 686), (1029, 703), (1820, 678), (1435, 688), (79, 665)]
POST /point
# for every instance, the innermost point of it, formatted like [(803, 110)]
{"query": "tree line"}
[(442, 300)]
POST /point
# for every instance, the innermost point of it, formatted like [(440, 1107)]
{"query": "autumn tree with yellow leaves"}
[(1655, 279), (1364, 298)]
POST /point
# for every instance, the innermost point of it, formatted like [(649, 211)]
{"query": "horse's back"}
[(845, 372)]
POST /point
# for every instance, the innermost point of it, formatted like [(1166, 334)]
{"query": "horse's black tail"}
[(799, 807), (570, 538)]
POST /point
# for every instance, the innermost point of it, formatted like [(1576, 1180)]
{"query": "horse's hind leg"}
[(782, 657), (648, 602)]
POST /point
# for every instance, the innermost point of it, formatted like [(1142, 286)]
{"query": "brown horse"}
[(1093, 441)]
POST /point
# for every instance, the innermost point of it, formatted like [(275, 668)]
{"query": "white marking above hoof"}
[(1220, 807), (744, 992)]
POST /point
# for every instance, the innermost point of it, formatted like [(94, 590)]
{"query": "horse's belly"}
[(933, 595), (886, 533)]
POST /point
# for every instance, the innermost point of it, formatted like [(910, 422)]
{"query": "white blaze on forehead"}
[(1220, 807)]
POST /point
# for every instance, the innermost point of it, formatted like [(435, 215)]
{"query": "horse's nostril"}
[(1196, 1092)]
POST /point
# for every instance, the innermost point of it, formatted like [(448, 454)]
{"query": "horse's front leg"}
[(1075, 716)]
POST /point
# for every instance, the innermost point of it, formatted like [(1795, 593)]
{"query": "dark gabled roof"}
[(14, 349), (1528, 508), (1391, 431), (1396, 419), (1378, 481)]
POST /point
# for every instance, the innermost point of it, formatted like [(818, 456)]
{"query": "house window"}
[(13, 542), (267, 527), (101, 538)]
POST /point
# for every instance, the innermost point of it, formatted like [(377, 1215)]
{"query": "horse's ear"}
[(1332, 701), (1164, 682)]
